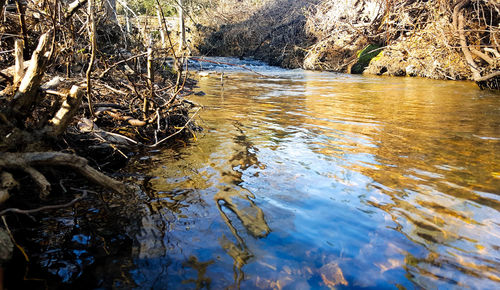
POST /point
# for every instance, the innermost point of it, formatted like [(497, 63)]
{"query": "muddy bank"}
[(457, 40)]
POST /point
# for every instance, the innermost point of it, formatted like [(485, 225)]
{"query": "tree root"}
[(28, 161)]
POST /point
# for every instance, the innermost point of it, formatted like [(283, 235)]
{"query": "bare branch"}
[(43, 208)]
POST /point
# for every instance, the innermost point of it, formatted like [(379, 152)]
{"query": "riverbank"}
[(79, 96), (432, 39)]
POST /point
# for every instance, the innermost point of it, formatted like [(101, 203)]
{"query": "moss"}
[(365, 55)]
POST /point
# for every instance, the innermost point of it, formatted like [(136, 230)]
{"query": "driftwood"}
[(21, 14)]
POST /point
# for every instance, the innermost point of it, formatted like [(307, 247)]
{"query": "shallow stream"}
[(311, 180)]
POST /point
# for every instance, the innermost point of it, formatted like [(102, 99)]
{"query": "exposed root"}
[(27, 162)]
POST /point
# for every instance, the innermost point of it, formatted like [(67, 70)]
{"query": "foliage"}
[(364, 57)]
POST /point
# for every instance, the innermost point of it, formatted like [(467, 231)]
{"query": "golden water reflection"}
[(317, 180)]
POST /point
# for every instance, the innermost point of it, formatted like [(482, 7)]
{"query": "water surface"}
[(314, 180)]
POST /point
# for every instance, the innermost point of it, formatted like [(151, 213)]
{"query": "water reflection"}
[(434, 174), (318, 180)]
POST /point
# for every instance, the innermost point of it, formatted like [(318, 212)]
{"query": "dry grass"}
[(419, 37), (269, 30)]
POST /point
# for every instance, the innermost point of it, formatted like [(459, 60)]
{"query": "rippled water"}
[(315, 180)]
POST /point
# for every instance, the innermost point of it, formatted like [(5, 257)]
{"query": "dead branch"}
[(465, 49), (456, 11), (176, 132), (42, 182), (150, 77), (489, 76), (77, 163), (28, 89), (87, 126), (120, 62), (44, 208), (65, 115), (483, 56), (2, 4), (132, 121), (93, 44), (19, 61), (73, 7), (22, 21), (11, 69)]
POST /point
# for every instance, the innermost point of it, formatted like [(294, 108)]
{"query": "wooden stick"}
[(93, 44), (19, 61), (121, 61), (176, 132), (46, 207), (150, 76), (22, 22)]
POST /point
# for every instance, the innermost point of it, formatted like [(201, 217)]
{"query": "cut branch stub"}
[(65, 115), (7, 182), (28, 89)]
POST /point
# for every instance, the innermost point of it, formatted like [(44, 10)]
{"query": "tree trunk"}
[(182, 27), (163, 30)]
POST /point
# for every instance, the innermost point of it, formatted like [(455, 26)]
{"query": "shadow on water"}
[(240, 203)]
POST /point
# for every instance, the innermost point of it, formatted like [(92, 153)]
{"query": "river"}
[(315, 180)]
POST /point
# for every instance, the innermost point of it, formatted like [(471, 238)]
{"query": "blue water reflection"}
[(318, 180)]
